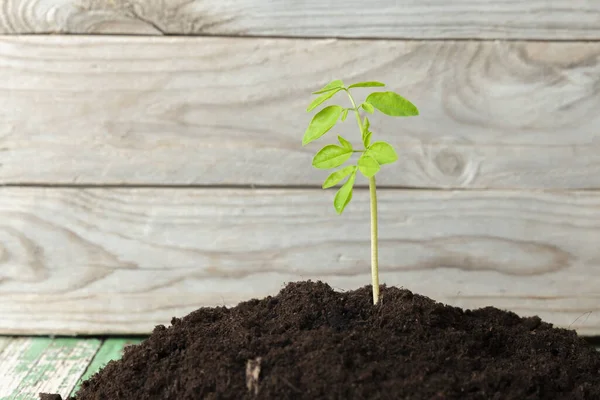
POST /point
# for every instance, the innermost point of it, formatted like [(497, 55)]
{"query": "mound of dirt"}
[(311, 342)]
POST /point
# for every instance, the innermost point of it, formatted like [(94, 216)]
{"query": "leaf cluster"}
[(373, 155)]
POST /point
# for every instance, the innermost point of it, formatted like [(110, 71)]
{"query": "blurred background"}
[(151, 159)]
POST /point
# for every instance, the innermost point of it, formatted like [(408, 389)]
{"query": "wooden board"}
[(34, 365), (17, 359), (4, 342), (226, 111), (40, 364), (439, 19), (111, 349), (121, 261)]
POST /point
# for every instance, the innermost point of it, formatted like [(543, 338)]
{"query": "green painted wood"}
[(34, 365), (16, 361), (112, 349)]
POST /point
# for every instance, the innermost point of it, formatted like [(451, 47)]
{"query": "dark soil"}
[(47, 396), (311, 342)]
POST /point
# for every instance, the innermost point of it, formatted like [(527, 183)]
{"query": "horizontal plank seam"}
[(286, 187), (348, 38), (593, 340)]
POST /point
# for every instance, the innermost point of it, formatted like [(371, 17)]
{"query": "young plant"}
[(372, 156)]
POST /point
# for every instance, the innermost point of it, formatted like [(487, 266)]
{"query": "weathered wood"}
[(220, 111), (59, 367), (16, 360), (4, 342), (111, 349), (121, 261), (33, 365), (438, 19)]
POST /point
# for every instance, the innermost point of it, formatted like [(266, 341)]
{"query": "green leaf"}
[(321, 123), (366, 132), (336, 177), (367, 139), (344, 114), (368, 108), (346, 144), (366, 84), (366, 124), (331, 156), (321, 99), (330, 86), (368, 165), (344, 194), (392, 104), (383, 153)]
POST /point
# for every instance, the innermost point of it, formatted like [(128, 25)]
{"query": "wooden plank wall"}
[(151, 159)]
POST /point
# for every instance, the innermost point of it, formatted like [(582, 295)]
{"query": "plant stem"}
[(356, 112), (374, 241), (374, 236)]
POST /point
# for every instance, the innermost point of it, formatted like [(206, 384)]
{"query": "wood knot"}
[(449, 163), (452, 162), (21, 259)]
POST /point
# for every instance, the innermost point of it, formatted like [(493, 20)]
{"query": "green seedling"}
[(372, 156)]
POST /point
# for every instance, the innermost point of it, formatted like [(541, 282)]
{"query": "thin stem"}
[(374, 241), (355, 109), (374, 235)]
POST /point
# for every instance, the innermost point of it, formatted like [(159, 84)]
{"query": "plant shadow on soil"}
[(311, 342)]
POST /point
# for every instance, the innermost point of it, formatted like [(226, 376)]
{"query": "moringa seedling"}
[(372, 156)]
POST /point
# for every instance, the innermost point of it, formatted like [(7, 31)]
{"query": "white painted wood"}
[(121, 261), (4, 342), (59, 368), (33, 365), (16, 360), (126, 110), (439, 19)]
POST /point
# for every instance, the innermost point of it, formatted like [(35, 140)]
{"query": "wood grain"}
[(34, 365), (434, 19), (121, 261), (4, 342), (226, 111), (17, 358)]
